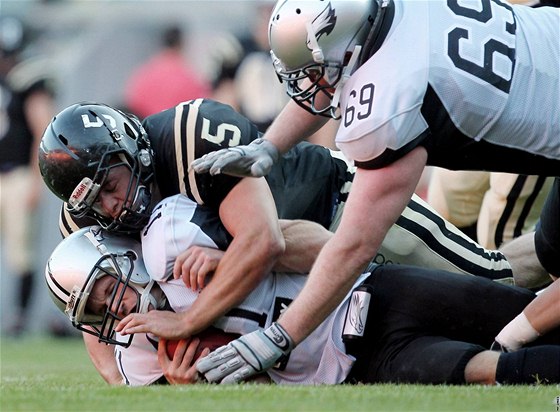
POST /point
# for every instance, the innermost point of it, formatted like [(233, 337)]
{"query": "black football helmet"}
[(79, 147), (316, 44)]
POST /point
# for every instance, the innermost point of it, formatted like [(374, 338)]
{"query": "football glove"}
[(254, 160), (247, 356)]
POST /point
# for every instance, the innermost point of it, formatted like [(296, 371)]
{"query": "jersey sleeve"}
[(176, 224), (187, 132), (381, 102)]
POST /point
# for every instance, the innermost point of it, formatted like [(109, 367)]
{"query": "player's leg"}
[(421, 237), (468, 308), (547, 234), (409, 303), (540, 364)]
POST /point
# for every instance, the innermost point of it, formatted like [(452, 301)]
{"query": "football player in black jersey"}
[(109, 168), (106, 165)]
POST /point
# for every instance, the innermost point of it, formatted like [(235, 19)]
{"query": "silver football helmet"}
[(315, 44), (82, 259)]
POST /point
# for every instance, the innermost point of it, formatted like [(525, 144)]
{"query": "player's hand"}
[(254, 160), (195, 264), (247, 356), (181, 369), (165, 324)]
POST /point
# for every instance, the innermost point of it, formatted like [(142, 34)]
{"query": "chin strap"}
[(316, 50), (346, 73), (379, 28), (147, 299)]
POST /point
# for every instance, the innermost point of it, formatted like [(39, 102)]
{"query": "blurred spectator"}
[(164, 80), (246, 79), (26, 108)]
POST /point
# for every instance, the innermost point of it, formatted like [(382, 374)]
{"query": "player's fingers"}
[(204, 353), (189, 351), (219, 356), (225, 159), (194, 273), (124, 322), (204, 163), (207, 269), (200, 165), (180, 351), (238, 375), (163, 358), (178, 266), (136, 325), (219, 373)]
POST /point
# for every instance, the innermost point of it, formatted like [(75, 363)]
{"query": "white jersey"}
[(454, 73), (319, 359)]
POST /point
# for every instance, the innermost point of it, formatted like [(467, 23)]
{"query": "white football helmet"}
[(316, 43), (85, 257)]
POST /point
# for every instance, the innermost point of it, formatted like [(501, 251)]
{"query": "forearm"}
[(544, 311), (249, 214), (304, 241), (376, 200), (539, 317), (103, 359), (241, 268), (293, 125)]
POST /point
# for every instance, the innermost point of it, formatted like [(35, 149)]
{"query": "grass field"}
[(42, 374)]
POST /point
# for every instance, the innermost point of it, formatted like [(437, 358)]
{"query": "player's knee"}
[(481, 369)]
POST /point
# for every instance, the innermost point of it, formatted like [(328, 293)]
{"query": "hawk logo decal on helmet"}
[(323, 24)]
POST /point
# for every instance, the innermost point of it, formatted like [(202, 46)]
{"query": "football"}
[(211, 338)]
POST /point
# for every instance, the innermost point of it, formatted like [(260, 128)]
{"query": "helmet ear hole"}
[(129, 131)]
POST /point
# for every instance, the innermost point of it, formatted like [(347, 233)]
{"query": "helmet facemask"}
[(121, 268), (317, 45), (311, 87), (134, 213), (79, 148)]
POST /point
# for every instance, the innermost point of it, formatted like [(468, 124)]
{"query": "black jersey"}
[(306, 183), (188, 131)]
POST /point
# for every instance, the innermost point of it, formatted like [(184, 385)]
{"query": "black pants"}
[(547, 234), (424, 325)]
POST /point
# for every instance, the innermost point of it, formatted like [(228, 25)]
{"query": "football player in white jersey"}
[(88, 147), (458, 84), (98, 278)]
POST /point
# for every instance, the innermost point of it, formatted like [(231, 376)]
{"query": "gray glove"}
[(254, 160), (249, 355)]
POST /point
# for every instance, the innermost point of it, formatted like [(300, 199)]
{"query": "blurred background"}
[(90, 50)]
